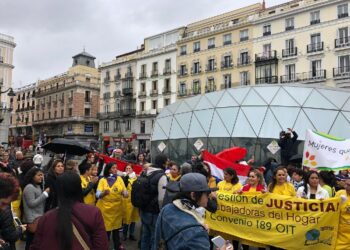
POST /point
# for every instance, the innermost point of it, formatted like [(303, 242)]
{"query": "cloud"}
[(49, 33)]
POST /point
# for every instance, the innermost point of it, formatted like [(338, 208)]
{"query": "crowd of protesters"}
[(93, 205)]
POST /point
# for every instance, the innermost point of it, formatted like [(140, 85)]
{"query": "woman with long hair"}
[(255, 182), (328, 182), (141, 159), (131, 213), (33, 200), (110, 191), (231, 183), (74, 225), (279, 184), (55, 170), (312, 188)]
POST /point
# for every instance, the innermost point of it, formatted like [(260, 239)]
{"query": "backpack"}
[(142, 192), (169, 195)]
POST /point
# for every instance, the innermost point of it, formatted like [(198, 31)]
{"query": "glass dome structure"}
[(251, 117)]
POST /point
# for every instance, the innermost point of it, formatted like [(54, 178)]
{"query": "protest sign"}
[(276, 220), (324, 152)]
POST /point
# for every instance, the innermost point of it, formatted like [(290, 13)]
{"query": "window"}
[(155, 68), (166, 102), (128, 125), (315, 17), (142, 127), (316, 70), (316, 44), (167, 68), (244, 58), (267, 30), (167, 85), (87, 96), (106, 126), (267, 50), (211, 43), (196, 46), (62, 113), (86, 112), (183, 70), (290, 50), (290, 72), (49, 115), (227, 62), (227, 81), (154, 85), (183, 50), (196, 68), (106, 108), (290, 23), (154, 104), (343, 36), (227, 39), (343, 10), (344, 64), (244, 78), (211, 65), (210, 86), (117, 106), (196, 87), (143, 73), (55, 114), (243, 35), (116, 125), (142, 106), (182, 89), (70, 112)]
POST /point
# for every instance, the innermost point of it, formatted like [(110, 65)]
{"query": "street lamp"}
[(10, 93)]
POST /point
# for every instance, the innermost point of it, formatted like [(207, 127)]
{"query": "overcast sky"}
[(49, 32)]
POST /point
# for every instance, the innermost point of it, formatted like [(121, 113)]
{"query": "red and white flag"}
[(218, 164), (120, 164)]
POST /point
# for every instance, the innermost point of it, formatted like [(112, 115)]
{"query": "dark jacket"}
[(86, 218), (8, 231), (51, 201), (287, 146)]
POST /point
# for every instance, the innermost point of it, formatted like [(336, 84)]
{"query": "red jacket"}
[(86, 218), (259, 188)]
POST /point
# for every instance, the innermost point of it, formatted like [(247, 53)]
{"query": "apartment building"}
[(117, 110), (7, 46), (67, 104), (156, 82), (23, 113), (216, 53), (303, 42)]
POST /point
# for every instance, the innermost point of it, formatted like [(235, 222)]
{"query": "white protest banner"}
[(325, 152)]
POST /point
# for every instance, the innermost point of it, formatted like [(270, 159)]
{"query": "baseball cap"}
[(192, 182)]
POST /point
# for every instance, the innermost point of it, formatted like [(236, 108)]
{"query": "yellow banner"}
[(276, 220)]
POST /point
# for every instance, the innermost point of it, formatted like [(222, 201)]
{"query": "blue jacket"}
[(184, 230)]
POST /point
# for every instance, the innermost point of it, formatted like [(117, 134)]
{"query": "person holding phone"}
[(33, 201)]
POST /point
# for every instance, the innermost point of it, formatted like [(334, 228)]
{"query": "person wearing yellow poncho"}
[(110, 191), (88, 183), (131, 213), (279, 184), (174, 174), (343, 239)]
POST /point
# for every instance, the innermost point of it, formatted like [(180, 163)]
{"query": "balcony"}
[(103, 115), (106, 80), (127, 91), (128, 112), (227, 42), (226, 85), (312, 76), (210, 68), (245, 82), (154, 93), (290, 52), (70, 100), (129, 75), (143, 75), (61, 100), (314, 47), (342, 15), (313, 22), (117, 94), (266, 79), (196, 50), (243, 61), (212, 46), (342, 42), (182, 92), (210, 88), (154, 73), (341, 73), (195, 71), (182, 73), (245, 38), (182, 53), (117, 77), (195, 91), (227, 64), (106, 96), (166, 91), (267, 33), (166, 71), (142, 94), (289, 28), (266, 56)]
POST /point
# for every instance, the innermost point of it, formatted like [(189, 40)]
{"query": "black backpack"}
[(143, 193)]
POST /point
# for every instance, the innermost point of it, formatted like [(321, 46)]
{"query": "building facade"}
[(155, 83), (118, 100), (23, 114), (7, 46), (67, 104), (216, 53), (303, 42)]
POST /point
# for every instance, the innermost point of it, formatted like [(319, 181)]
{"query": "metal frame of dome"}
[(259, 112)]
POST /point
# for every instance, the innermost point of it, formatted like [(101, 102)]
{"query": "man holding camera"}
[(286, 142)]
